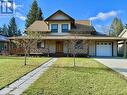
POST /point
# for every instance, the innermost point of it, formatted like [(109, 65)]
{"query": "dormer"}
[(60, 22)]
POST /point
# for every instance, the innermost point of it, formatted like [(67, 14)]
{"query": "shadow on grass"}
[(83, 68), (92, 70), (9, 57)]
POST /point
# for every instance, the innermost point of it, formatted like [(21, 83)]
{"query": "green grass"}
[(89, 77), (12, 68)]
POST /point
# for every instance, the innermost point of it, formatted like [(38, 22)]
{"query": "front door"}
[(59, 47)]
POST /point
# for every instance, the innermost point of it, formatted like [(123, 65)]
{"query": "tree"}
[(116, 27), (4, 30), (39, 15), (12, 28), (33, 15), (19, 33), (27, 42), (0, 31)]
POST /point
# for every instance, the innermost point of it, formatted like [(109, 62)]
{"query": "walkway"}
[(117, 64), (19, 86)]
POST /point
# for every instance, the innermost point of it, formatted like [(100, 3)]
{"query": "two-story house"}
[(65, 36)]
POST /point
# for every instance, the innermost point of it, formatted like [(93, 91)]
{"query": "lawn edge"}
[(24, 74), (114, 71)]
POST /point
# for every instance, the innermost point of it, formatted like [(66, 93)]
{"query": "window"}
[(64, 27), (106, 43), (54, 28), (79, 44), (40, 44), (110, 44)]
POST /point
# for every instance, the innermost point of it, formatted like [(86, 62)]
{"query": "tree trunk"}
[(74, 57), (74, 61), (25, 57)]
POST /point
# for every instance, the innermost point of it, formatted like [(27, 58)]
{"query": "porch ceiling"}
[(70, 38)]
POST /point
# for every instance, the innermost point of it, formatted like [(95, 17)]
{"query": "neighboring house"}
[(62, 30), (121, 45), (4, 45)]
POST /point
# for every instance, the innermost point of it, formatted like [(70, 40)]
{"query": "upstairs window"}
[(64, 27), (54, 28)]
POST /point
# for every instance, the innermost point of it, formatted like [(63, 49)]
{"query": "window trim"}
[(65, 29), (41, 42), (54, 29)]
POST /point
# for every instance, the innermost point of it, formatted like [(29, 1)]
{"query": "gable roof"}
[(40, 26), (59, 12), (3, 38), (123, 33)]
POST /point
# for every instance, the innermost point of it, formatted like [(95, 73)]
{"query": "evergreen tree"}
[(12, 28), (39, 15), (116, 27), (4, 30), (32, 15), (0, 31), (19, 33)]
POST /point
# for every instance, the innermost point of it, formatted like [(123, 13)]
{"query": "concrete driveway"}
[(117, 64)]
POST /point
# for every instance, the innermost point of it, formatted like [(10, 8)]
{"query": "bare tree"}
[(26, 42), (72, 48), (76, 46)]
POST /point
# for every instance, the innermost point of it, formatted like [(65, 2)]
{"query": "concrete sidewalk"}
[(19, 86), (117, 64)]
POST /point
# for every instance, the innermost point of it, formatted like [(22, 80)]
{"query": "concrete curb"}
[(19, 86)]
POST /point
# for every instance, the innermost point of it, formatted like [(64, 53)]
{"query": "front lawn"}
[(12, 68), (89, 77)]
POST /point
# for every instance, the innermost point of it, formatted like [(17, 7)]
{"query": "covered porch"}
[(69, 45)]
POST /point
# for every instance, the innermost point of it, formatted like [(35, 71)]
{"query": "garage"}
[(104, 49)]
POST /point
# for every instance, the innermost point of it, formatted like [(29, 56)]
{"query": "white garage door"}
[(104, 49)]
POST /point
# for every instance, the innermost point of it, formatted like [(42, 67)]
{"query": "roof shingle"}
[(40, 26)]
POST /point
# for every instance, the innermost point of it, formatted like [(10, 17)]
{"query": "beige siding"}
[(125, 35), (121, 49), (59, 17), (79, 51), (92, 48), (52, 46), (48, 44), (65, 47), (35, 50), (115, 48)]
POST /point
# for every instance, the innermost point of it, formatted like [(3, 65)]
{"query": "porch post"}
[(68, 48), (88, 47), (9, 47), (48, 47), (125, 51)]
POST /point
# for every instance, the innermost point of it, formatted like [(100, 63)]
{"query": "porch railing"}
[(17, 51)]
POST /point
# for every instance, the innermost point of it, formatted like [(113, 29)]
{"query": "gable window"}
[(54, 28), (79, 44), (40, 44), (64, 27)]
